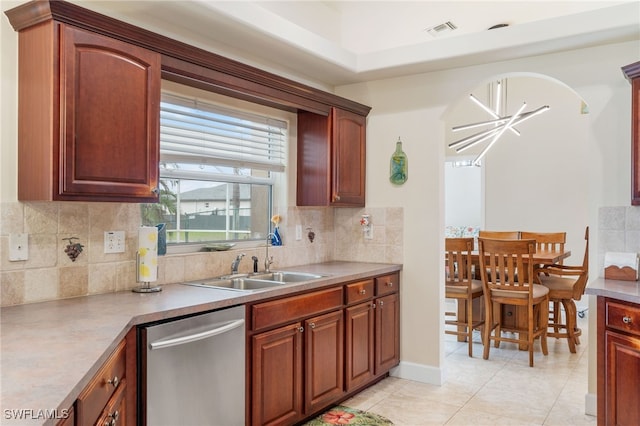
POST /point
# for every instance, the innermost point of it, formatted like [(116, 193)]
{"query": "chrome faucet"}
[(268, 260), (235, 263)]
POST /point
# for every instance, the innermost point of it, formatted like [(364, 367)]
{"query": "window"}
[(218, 169)]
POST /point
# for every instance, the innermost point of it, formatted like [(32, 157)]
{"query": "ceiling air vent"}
[(440, 29)]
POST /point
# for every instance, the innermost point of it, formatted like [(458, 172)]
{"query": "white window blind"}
[(193, 131)]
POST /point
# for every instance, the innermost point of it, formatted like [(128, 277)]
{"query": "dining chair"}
[(546, 241), (499, 260), (566, 284), (460, 285), (503, 235)]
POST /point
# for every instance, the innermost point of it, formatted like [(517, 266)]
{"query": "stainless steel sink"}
[(256, 281), (286, 277)]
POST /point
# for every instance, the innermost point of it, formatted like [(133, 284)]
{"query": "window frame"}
[(277, 181)]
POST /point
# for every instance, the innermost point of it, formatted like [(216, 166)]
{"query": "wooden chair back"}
[(507, 269), (546, 241), (458, 263), (502, 235), (581, 284)]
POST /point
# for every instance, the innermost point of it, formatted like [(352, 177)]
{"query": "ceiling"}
[(342, 42)]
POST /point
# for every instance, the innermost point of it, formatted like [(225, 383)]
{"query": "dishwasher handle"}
[(159, 344)]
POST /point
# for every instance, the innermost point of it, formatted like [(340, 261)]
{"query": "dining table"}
[(513, 317)]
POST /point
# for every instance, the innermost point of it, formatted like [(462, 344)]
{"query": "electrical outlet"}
[(298, 232), (114, 242), (368, 232)]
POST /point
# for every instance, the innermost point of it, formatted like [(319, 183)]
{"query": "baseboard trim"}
[(418, 372), (591, 404)]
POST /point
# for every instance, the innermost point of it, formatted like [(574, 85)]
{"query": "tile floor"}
[(502, 390)]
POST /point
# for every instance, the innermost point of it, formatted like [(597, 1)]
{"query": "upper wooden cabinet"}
[(89, 89), (331, 159), (632, 71), (88, 119)]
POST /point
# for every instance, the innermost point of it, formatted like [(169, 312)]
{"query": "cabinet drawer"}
[(623, 317), (387, 284), (359, 291), (109, 378), (268, 314), (114, 413)]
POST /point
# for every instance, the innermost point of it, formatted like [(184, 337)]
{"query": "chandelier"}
[(498, 125)]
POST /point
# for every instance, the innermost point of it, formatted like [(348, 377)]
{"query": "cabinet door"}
[(276, 376), (359, 367), (635, 140), (324, 378), (109, 118), (348, 159), (622, 372), (387, 333)]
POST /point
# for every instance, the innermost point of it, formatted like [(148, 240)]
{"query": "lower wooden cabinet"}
[(359, 337), (387, 333), (276, 379), (311, 350), (110, 398), (324, 360), (298, 367), (618, 362)]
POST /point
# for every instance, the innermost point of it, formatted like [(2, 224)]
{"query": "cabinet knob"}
[(115, 381), (336, 198), (301, 329), (312, 325), (626, 320), (390, 284), (363, 291), (381, 303), (156, 190), (113, 419)]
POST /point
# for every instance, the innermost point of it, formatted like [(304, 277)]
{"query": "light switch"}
[(18, 247)]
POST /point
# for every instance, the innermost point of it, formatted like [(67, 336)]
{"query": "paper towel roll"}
[(621, 259), (147, 254)]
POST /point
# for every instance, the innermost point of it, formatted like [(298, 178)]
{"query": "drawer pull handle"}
[(363, 291), (113, 419), (115, 381), (626, 320)]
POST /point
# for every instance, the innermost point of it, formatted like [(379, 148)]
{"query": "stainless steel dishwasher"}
[(195, 370)]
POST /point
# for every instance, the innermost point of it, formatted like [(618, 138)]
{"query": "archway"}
[(536, 181)]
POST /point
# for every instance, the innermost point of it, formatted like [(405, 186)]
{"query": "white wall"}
[(414, 107)]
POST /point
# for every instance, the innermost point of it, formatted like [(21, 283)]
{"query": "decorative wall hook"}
[(72, 249), (311, 235)]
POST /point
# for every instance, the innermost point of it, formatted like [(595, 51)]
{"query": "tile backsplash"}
[(49, 274), (618, 231)]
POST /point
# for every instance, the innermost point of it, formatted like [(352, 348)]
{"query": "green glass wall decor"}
[(398, 171)]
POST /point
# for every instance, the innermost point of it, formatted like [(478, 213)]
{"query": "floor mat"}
[(341, 415)]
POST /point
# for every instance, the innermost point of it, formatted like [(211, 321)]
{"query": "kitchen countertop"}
[(51, 350), (616, 289)]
